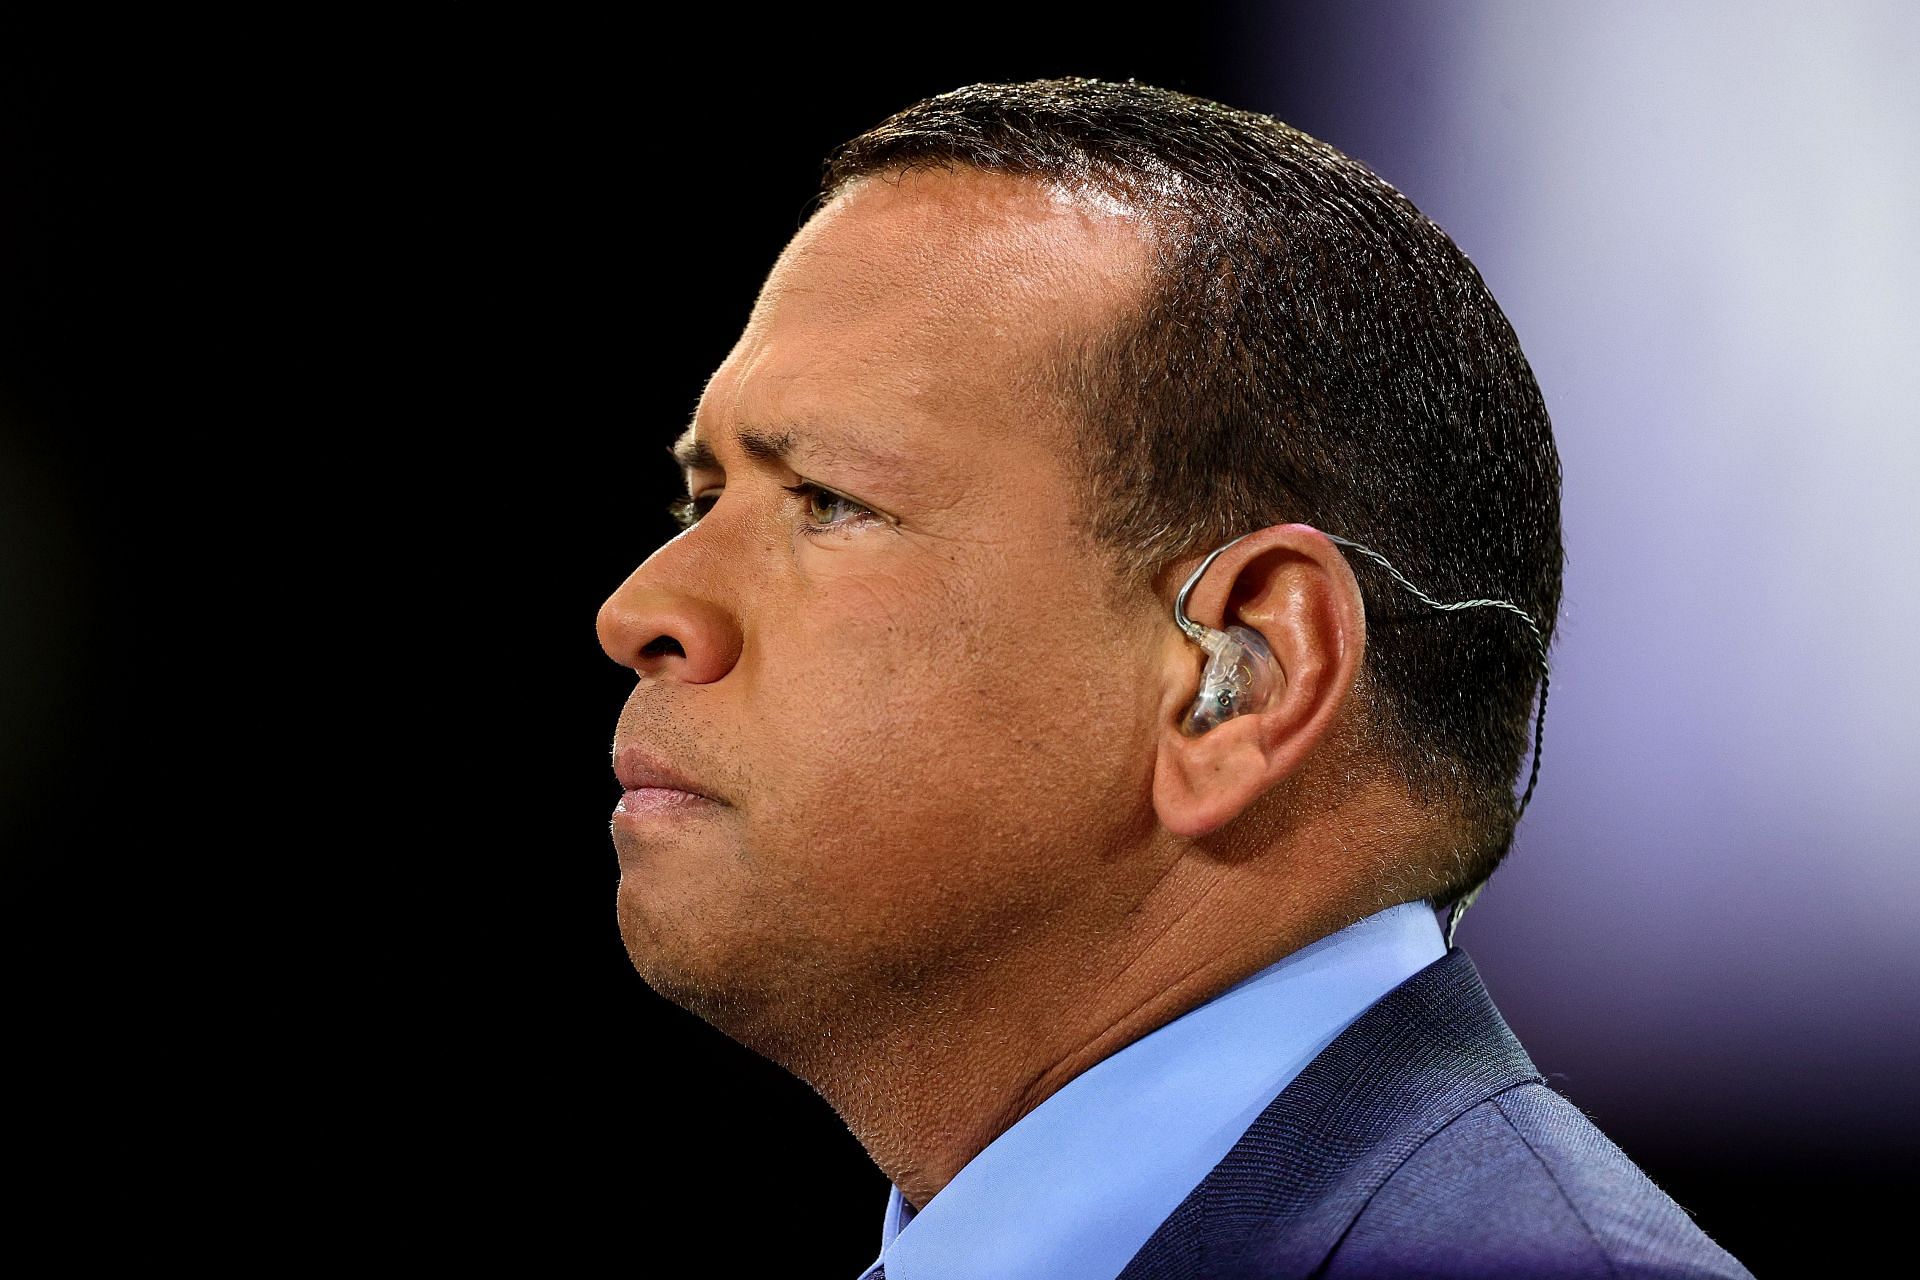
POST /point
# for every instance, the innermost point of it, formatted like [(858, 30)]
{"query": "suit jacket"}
[(1423, 1142)]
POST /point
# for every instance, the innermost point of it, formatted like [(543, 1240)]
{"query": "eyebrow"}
[(779, 445)]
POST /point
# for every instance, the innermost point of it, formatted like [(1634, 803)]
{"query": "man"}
[(1113, 966)]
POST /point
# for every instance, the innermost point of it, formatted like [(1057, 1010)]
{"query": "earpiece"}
[(1241, 671), (1239, 678)]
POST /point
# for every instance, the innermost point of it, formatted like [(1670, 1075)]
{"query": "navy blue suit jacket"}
[(1423, 1142)]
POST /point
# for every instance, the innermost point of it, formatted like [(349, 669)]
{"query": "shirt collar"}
[(1073, 1189)]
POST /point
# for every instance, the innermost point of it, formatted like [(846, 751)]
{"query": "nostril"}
[(662, 644)]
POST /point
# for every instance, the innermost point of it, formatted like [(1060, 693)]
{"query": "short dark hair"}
[(1310, 348)]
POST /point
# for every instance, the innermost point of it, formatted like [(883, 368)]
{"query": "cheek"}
[(938, 744)]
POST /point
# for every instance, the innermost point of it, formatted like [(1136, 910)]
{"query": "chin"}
[(696, 971), (773, 999)]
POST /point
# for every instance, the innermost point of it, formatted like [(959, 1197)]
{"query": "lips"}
[(639, 769)]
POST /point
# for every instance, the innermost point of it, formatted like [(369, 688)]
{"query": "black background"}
[(336, 366)]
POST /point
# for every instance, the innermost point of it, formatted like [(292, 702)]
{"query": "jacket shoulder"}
[(1524, 1184), (1424, 1142)]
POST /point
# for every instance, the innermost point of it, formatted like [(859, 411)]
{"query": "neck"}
[(926, 1089)]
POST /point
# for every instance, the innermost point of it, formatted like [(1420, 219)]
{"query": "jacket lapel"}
[(1288, 1190)]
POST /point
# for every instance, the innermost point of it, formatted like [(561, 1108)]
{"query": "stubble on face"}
[(936, 737)]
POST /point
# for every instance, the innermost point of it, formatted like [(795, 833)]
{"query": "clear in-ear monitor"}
[(1239, 678), (1241, 672)]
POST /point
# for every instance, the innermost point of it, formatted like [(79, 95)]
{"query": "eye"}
[(815, 498), (686, 512)]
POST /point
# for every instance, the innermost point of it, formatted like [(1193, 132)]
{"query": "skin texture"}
[(961, 851)]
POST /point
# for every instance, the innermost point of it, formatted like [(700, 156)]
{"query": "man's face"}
[(932, 733)]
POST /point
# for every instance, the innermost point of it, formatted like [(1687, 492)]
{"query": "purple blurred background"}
[(1701, 220)]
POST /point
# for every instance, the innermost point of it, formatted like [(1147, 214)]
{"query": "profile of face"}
[(884, 647)]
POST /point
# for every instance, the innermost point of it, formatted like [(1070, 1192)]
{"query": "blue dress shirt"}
[(1076, 1186)]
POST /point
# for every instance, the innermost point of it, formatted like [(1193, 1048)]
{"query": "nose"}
[(665, 623)]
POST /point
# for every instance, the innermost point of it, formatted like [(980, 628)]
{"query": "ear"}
[(1292, 585)]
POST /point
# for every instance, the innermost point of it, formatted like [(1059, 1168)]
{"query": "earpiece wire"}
[(1198, 632), (1540, 717)]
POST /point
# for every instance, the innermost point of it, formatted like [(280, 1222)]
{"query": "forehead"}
[(914, 312)]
